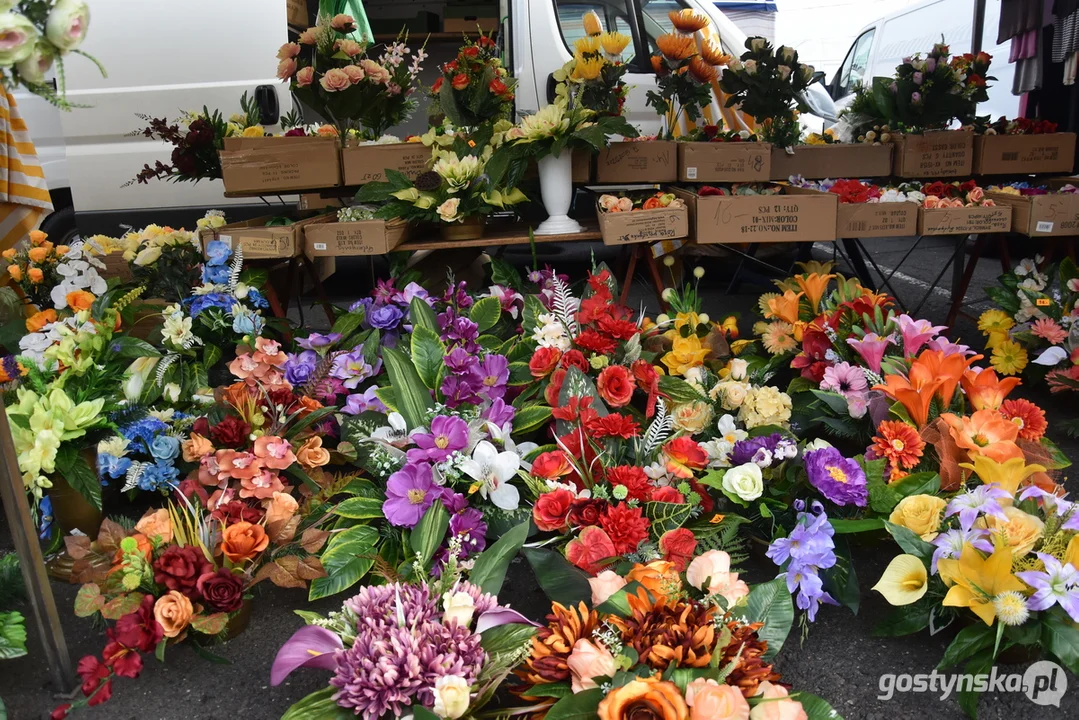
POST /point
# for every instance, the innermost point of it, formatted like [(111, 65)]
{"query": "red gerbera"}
[(626, 527), (1029, 417), (638, 486), (595, 342), (613, 425)]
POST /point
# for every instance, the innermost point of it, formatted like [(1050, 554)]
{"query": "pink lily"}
[(871, 348), (916, 333)]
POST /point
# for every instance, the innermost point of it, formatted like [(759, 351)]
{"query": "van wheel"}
[(60, 226)]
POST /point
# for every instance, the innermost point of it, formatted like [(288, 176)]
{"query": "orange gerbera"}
[(899, 443), (784, 307), (676, 47), (688, 21), (702, 71), (985, 433), (713, 54), (948, 369), (813, 285), (1028, 417), (985, 390), (915, 394)]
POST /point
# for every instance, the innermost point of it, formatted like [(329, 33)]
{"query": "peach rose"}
[(658, 577), (196, 447), (588, 661), (355, 73), (988, 203), (37, 237), (342, 22), (931, 202), (375, 72), (38, 320), (63, 249), (33, 273), (9, 254), (242, 541), (308, 36), (286, 68), (79, 300), (648, 698), (288, 50), (305, 76), (350, 47), (778, 705), (625, 204), (710, 572), (156, 523), (15, 272), (975, 196), (280, 507), (708, 700), (604, 585), (311, 454), (38, 254), (335, 80), (173, 612)]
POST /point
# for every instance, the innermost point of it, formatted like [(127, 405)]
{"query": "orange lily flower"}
[(813, 285), (784, 307), (947, 368), (985, 390), (915, 394), (985, 433)]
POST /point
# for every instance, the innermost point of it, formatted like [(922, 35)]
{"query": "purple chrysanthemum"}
[(838, 478)]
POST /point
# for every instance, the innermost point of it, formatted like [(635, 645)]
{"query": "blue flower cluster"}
[(151, 450), (805, 552)]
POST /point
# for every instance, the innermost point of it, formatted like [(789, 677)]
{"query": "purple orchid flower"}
[(315, 340), (310, 646), (448, 435), (409, 492)]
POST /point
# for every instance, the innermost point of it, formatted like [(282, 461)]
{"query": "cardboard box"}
[(964, 221), (871, 220), (297, 13), (362, 164), (639, 226), (115, 267), (787, 217), (260, 242), (271, 165), (855, 160), (709, 162), (647, 161), (936, 154), (314, 201), (1041, 215), (347, 239), (1024, 154)]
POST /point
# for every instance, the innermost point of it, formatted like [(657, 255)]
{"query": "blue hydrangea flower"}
[(255, 298), (215, 274), (145, 429), (245, 322), (217, 253), (158, 476), (199, 303), (111, 466)]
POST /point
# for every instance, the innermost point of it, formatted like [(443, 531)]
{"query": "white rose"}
[(807, 72), (459, 606), (452, 696), (750, 66), (67, 24), (757, 44), (735, 65), (32, 70), (744, 481), (738, 368), (784, 72), (786, 53), (818, 444), (19, 36), (734, 395), (448, 210)]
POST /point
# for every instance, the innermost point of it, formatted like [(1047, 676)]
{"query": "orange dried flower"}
[(749, 649), (687, 20), (676, 47), (702, 71), (665, 632), (552, 645)]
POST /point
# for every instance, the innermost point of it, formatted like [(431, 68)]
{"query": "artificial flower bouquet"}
[(767, 83), (165, 261), (717, 133), (333, 74), (454, 642), (686, 67), (659, 642), (145, 451), (855, 192), (955, 194), (1018, 126), (1037, 312), (45, 274), (475, 89), (641, 201), (593, 78)]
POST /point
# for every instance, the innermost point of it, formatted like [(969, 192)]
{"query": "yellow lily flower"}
[(1008, 474), (904, 581), (974, 582), (685, 353)]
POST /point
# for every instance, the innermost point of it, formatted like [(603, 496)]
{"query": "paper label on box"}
[(319, 246), (941, 154), (967, 220), (881, 219), (227, 239), (691, 173), (1044, 226), (646, 226)]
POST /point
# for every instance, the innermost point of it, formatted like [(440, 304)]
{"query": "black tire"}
[(60, 226)]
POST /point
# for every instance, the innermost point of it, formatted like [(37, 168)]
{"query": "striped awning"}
[(24, 196)]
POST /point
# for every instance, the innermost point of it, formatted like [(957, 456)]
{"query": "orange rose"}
[(309, 404), (777, 705), (242, 541), (15, 272), (311, 454), (659, 577), (37, 237), (38, 254), (35, 275), (156, 523), (8, 254), (173, 612), (62, 250), (196, 447), (79, 300), (38, 320), (650, 698)]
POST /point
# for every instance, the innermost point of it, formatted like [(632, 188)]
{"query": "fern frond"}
[(659, 430), (236, 267), (565, 306), (131, 479), (163, 366)]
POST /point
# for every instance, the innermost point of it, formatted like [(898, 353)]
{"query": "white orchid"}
[(494, 470), (395, 432), (501, 435)]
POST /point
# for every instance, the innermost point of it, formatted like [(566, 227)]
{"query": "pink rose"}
[(975, 196), (375, 72), (343, 23), (988, 203), (350, 47), (708, 700), (355, 73), (286, 69), (710, 572), (604, 585), (288, 50), (305, 76), (335, 80), (957, 203), (625, 204), (778, 707), (931, 202), (587, 662), (308, 36)]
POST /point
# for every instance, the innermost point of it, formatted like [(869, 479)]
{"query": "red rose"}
[(615, 385), (937, 189), (437, 86), (613, 426), (138, 630), (471, 51), (451, 66), (585, 512), (551, 509), (460, 81), (551, 465), (592, 551), (201, 426), (223, 590), (497, 87), (626, 527), (575, 358), (236, 511), (232, 432), (544, 361), (179, 568), (678, 546), (595, 342), (633, 479), (554, 389), (667, 494)]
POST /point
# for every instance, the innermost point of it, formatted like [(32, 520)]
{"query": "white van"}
[(881, 46)]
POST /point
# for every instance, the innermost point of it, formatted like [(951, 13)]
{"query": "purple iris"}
[(409, 492), (1058, 584), (385, 317), (838, 478), (805, 552), (972, 504), (448, 435), (362, 402), (299, 367), (318, 340), (495, 374), (950, 544)]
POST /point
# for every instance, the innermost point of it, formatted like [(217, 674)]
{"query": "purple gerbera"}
[(838, 478), (448, 435), (409, 492)]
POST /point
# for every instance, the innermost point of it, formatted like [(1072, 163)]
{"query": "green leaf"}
[(882, 498), (923, 483), (79, 475), (678, 390), (843, 527), (428, 352), (905, 620), (970, 640), (88, 601), (485, 313), (348, 557), (530, 418), (207, 655), (833, 400), (210, 624), (968, 698), (555, 690), (1061, 639), (561, 581), (506, 638), (319, 705), (12, 635), (520, 374), (771, 604), (530, 317), (349, 323), (413, 399), (159, 651), (429, 532), (300, 474), (421, 315), (910, 542), (581, 706), (1057, 460), (489, 571), (125, 346), (419, 712), (816, 707), (618, 603), (308, 420), (359, 508)]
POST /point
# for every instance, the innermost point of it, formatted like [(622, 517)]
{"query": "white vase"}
[(556, 188)]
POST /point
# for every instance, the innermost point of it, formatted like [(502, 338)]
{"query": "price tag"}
[(1044, 226), (1042, 302), (319, 246), (691, 173), (227, 239)]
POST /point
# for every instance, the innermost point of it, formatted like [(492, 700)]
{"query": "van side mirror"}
[(266, 101), (818, 77)]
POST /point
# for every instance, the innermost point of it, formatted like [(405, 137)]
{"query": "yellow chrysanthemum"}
[(614, 43), (1009, 358), (995, 321), (587, 68), (587, 46), (253, 131)]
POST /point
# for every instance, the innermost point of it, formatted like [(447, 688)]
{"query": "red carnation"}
[(678, 546), (460, 81), (618, 327), (613, 425), (232, 432), (667, 494), (554, 389), (575, 358), (551, 509), (179, 568), (585, 512), (544, 361), (595, 342), (626, 527), (633, 479), (615, 385)]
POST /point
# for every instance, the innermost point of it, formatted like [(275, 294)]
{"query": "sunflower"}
[(899, 443), (1009, 357), (676, 47), (552, 645), (687, 21), (1029, 417), (778, 338), (702, 71), (665, 632), (713, 54), (749, 649), (614, 43)]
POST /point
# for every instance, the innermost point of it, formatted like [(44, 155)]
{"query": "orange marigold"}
[(676, 47), (899, 443), (688, 21), (1029, 417)]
